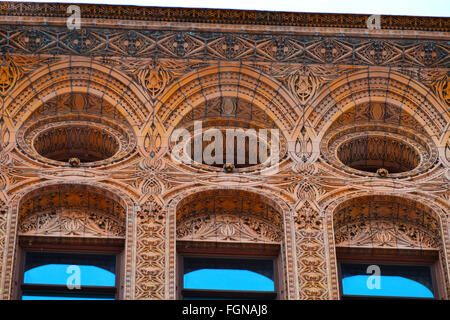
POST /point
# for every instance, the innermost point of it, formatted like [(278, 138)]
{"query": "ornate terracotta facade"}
[(363, 116)]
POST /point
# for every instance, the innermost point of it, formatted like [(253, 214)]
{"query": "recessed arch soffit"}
[(227, 111), (78, 75), (196, 88), (380, 87), (77, 103), (72, 211), (228, 215), (386, 221)]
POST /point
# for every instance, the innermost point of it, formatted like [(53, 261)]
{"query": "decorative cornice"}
[(222, 16)]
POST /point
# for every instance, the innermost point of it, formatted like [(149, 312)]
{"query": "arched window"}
[(228, 245), (71, 238), (387, 247)]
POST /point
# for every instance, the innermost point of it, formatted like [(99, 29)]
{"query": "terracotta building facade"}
[(86, 151)]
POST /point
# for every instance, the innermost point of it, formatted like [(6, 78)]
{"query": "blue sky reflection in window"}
[(393, 281), (58, 274), (228, 274), (65, 269)]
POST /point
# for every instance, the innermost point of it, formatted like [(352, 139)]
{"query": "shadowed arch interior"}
[(386, 222), (72, 211), (228, 215)]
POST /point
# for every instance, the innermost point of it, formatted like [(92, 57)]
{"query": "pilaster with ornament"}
[(310, 235), (150, 255)]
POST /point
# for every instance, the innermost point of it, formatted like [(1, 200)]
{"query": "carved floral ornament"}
[(438, 80), (154, 80), (304, 81), (156, 75), (225, 227), (304, 86), (72, 223), (151, 262), (13, 68), (442, 88), (9, 75)]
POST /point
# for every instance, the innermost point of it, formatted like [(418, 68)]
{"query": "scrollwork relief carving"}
[(226, 227), (72, 223)]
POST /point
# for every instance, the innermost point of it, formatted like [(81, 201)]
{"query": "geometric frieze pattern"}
[(224, 46)]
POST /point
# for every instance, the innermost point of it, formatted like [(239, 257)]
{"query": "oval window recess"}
[(87, 143), (251, 151), (375, 152)]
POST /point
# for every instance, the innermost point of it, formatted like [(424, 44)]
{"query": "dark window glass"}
[(391, 281), (228, 274)]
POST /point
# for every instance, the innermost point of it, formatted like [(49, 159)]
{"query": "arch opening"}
[(70, 236), (228, 242), (78, 127), (228, 131), (387, 247), (86, 143), (369, 139), (371, 153)]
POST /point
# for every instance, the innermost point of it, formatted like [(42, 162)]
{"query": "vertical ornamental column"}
[(312, 264), (150, 252), (310, 235)]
